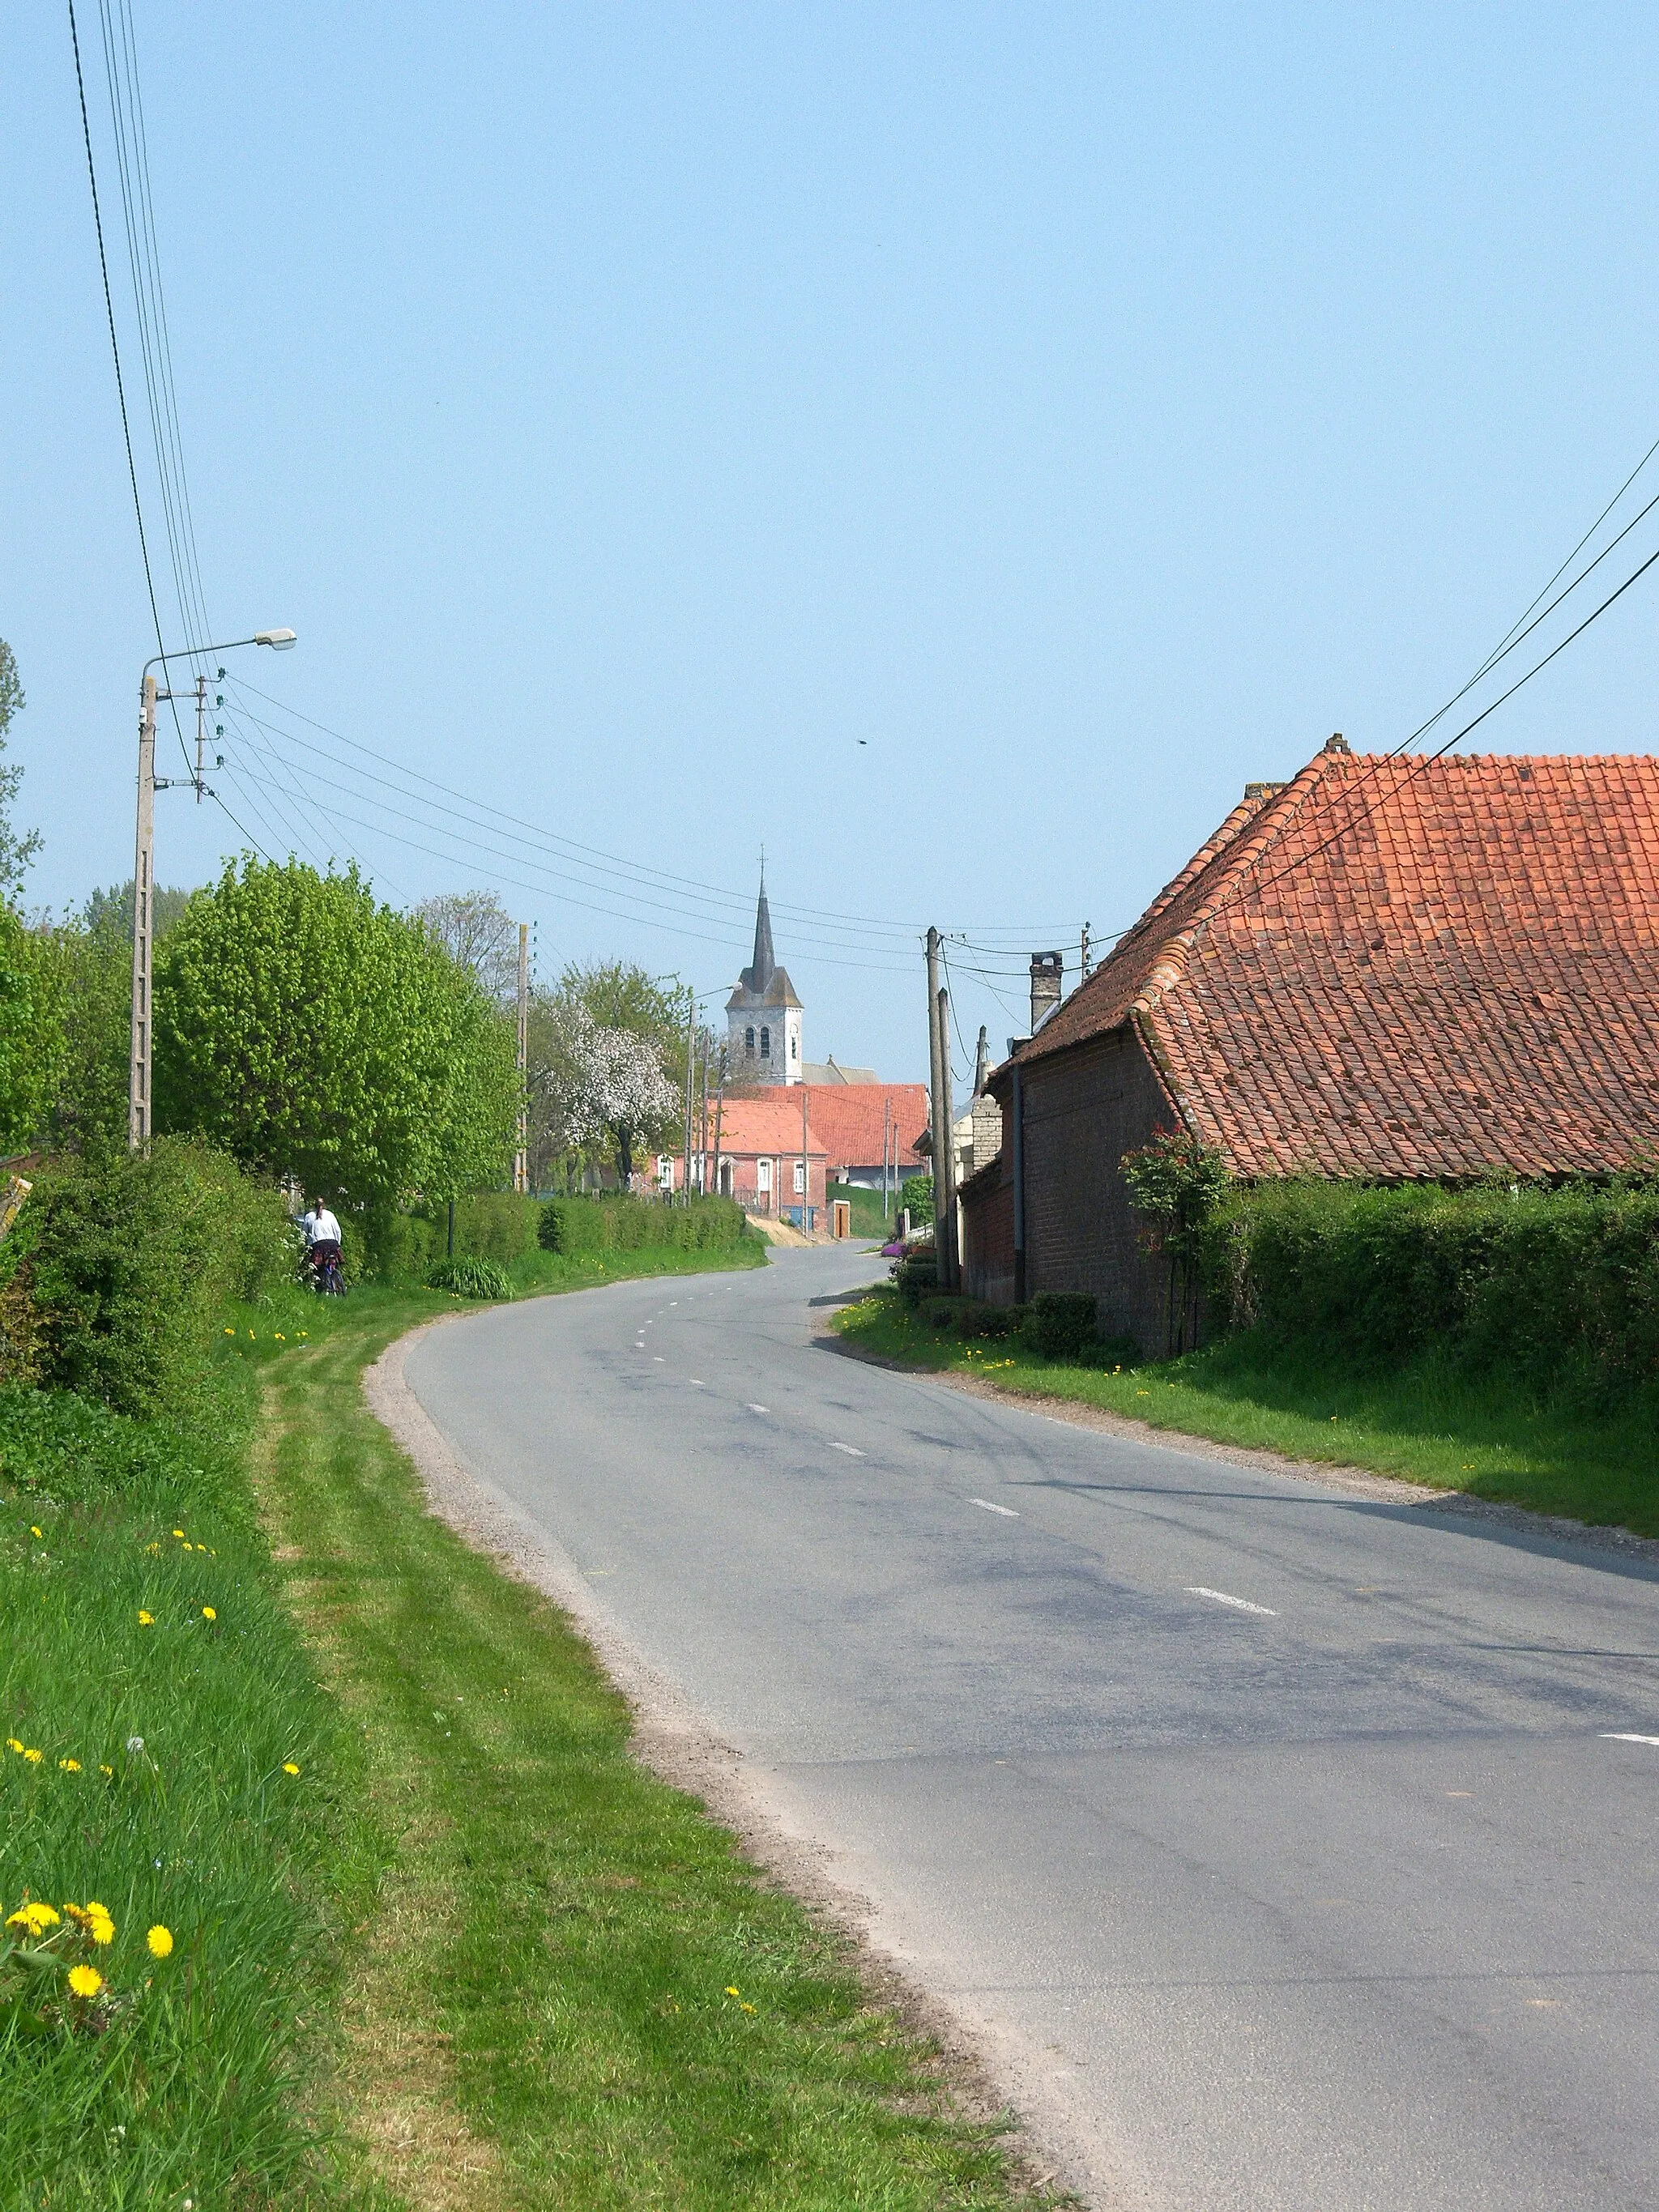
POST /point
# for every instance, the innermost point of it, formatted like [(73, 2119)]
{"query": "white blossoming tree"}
[(606, 1085)]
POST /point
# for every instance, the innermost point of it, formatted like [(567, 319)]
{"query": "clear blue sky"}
[(634, 408)]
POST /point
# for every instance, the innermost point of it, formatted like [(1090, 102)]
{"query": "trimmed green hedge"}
[(635, 1225), (1552, 1285)]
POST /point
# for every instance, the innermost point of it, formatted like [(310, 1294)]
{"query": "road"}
[(1343, 1901)]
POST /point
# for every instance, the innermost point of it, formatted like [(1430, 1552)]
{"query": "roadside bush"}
[(917, 1194), (997, 1322), (129, 1263), (470, 1279), (637, 1224), (1550, 1285), (915, 1275), (1060, 1324)]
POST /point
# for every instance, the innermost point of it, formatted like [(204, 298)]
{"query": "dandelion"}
[(160, 1941), (179, 1534), (70, 1765), (12, 1744), (289, 1767), (99, 1925), (135, 1743), (733, 1992), (102, 1769), (35, 1532), (33, 1756), (85, 1981), (146, 1620), (34, 1919), (154, 1549), (281, 1339), (208, 1614), (230, 1332), (747, 2007)]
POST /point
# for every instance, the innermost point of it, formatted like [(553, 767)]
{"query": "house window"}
[(763, 1175), (749, 1040), (766, 1044), (800, 1178)]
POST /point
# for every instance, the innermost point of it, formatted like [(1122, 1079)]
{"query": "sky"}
[(951, 447)]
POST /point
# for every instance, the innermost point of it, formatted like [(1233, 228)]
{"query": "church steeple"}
[(764, 962)]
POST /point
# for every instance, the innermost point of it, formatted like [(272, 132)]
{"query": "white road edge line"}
[(1243, 1604), (1612, 1735), (851, 1451), (1007, 1511)]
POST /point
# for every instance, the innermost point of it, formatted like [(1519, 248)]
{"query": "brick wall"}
[(987, 1235), (1084, 1109)]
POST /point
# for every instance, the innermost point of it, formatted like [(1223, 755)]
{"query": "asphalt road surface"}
[(1296, 1850)]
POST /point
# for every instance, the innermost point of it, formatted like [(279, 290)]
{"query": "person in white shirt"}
[(322, 1236)]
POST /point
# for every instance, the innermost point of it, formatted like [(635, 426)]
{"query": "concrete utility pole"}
[(886, 1131), (521, 1157), (144, 865), (690, 1065), (806, 1172), (947, 1193), (143, 869), (939, 1068), (1088, 959), (703, 1124)]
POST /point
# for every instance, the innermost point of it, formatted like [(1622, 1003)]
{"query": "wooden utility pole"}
[(521, 1157), (143, 890)]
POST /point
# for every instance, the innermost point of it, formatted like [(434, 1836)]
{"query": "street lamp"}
[(144, 885)]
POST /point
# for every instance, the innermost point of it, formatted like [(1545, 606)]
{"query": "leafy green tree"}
[(15, 853), (91, 956), (313, 1033)]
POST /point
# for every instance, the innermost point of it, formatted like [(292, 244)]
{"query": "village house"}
[(764, 1152), (1387, 969)]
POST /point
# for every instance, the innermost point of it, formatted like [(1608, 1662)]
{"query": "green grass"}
[(181, 2079), (571, 1981), (868, 1220), (1425, 1422)]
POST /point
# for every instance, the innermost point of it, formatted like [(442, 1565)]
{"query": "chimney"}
[(1045, 987)]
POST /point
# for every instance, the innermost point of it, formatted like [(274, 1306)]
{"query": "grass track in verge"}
[(573, 1983), (1425, 1423)]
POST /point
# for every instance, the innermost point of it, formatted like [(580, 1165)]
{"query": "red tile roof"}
[(1401, 968), (769, 1123), (849, 1117)]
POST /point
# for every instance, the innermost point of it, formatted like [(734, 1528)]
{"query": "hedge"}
[(634, 1225), (115, 1274), (1550, 1283)]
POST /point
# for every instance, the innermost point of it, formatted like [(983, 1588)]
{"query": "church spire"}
[(765, 961)]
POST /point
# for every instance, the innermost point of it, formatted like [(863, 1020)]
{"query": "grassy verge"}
[(1423, 1421), (571, 1992), (170, 1759)]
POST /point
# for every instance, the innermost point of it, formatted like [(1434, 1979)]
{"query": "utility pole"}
[(939, 1068), (720, 1116), (702, 1125), (1088, 961), (690, 1065), (886, 1131), (947, 1195), (521, 1157), (806, 1172), (143, 866), (201, 736)]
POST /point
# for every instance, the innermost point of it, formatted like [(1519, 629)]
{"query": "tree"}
[(312, 1033), (477, 933), (607, 1063), (602, 1084), (16, 853)]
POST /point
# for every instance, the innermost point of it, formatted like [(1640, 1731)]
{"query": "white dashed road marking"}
[(695, 1381), (1609, 1735), (760, 1409), (985, 1505), (851, 1451), (1242, 1604)]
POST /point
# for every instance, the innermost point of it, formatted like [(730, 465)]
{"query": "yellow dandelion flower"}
[(733, 1992), (154, 1549), (146, 1620), (35, 1532), (179, 1534), (70, 1765), (281, 1339), (85, 1981), (748, 2008), (102, 1769), (208, 1614), (102, 1929), (33, 1757), (289, 1767), (41, 1917), (160, 1941), (12, 1744)]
